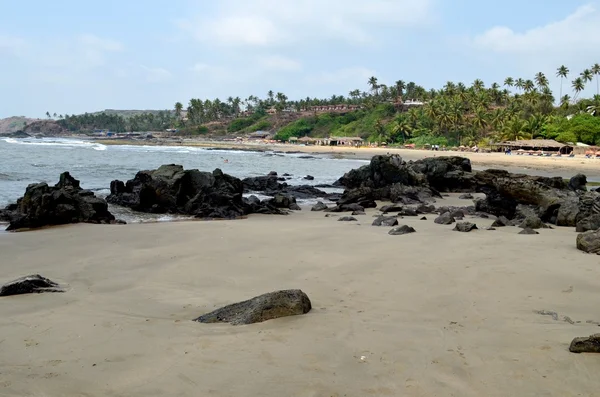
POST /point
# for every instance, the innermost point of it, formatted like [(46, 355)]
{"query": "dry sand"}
[(435, 313)]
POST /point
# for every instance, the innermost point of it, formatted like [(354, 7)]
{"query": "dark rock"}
[(578, 183), (261, 183), (385, 221), (281, 200), (525, 211), (261, 308), (491, 228), (399, 193), (498, 223), (347, 219), (29, 285), (295, 207), (464, 227), (590, 344), (424, 218), (528, 231), (286, 174), (592, 222), (330, 215), (425, 209), (444, 219), (589, 242), (568, 211), (532, 222), (409, 212), (64, 203), (457, 213), (356, 213), (400, 230), (346, 208), (391, 208), (272, 173), (309, 178), (367, 203), (320, 206), (466, 196)]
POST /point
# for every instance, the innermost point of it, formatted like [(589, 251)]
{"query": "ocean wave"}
[(58, 142)]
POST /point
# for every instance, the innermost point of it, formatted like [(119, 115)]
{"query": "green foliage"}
[(240, 124), (261, 125), (136, 122), (298, 128), (579, 128)]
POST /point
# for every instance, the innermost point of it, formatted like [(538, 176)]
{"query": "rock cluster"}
[(171, 189), (66, 202)]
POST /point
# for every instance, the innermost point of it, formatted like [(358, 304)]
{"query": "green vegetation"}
[(400, 113)]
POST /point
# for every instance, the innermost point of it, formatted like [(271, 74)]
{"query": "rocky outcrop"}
[(171, 189), (66, 202), (320, 206), (44, 128), (261, 308), (34, 284), (591, 222), (270, 186), (589, 242), (281, 200), (513, 196), (590, 344), (444, 219), (401, 230), (385, 221), (464, 227), (532, 222)]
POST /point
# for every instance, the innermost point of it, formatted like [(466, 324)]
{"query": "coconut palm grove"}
[(398, 113)]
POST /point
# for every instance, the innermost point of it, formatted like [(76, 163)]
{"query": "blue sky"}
[(71, 56)]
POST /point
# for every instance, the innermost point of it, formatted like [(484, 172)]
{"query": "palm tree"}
[(514, 130), (509, 82), (373, 84), (528, 85), (478, 85), (562, 72), (520, 83), (596, 72), (402, 126), (587, 75), (578, 85), (541, 80), (400, 86), (178, 109)]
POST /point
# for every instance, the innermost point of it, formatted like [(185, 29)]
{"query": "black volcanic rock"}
[(66, 202)]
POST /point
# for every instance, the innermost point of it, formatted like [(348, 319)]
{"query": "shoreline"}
[(564, 165)]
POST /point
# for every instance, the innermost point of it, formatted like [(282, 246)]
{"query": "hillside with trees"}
[(455, 114)]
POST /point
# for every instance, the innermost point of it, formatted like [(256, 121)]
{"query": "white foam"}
[(58, 142)]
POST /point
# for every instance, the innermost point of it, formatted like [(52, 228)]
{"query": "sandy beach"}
[(434, 313), (565, 166)]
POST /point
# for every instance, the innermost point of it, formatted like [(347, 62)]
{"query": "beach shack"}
[(346, 141), (260, 135), (293, 139), (535, 146), (307, 140)]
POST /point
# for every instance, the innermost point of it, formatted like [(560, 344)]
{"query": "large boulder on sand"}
[(66, 202), (444, 219), (34, 284), (591, 222), (589, 242), (261, 308), (590, 344), (464, 227), (578, 182)]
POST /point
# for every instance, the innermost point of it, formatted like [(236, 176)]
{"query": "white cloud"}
[(156, 74), (577, 35), (200, 67), (279, 63), (285, 22)]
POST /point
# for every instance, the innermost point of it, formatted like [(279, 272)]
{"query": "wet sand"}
[(434, 313)]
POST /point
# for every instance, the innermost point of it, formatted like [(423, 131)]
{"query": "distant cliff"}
[(44, 127), (13, 124)]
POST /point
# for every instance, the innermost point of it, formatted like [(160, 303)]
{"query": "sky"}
[(73, 56)]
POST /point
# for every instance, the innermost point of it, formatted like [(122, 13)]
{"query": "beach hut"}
[(532, 145)]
